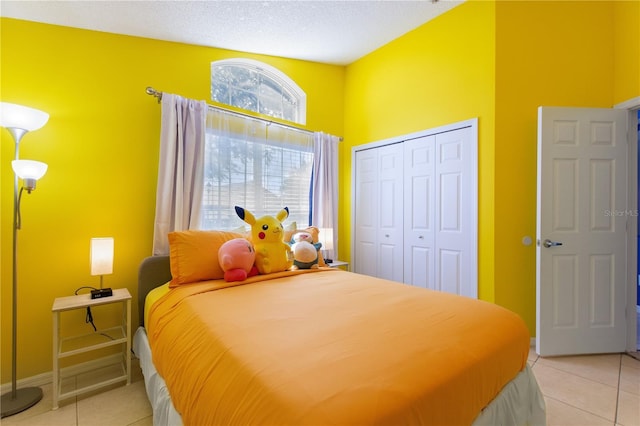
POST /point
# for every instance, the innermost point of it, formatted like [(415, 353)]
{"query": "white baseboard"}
[(46, 378)]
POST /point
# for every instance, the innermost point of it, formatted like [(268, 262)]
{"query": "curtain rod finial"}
[(153, 92)]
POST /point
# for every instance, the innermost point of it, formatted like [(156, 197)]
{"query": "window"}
[(258, 87), (260, 166)]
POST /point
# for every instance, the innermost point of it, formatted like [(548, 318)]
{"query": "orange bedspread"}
[(331, 348)]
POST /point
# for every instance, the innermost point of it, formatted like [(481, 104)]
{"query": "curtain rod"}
[(153, 92)]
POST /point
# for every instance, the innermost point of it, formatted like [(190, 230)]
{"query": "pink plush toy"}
[(237, 258)]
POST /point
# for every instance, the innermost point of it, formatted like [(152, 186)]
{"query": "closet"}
[(415, 215)]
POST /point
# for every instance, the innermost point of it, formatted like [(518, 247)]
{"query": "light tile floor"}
[(589, 390), (112, 406), (581, 391)]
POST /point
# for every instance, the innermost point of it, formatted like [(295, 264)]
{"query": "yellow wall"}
[(626, 49), (547, 54), (440, 73), (101, 144)]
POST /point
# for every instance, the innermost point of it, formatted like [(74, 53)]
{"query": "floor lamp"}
[(19, 120)]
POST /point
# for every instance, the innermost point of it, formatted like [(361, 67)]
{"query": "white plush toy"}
[(305, 251)]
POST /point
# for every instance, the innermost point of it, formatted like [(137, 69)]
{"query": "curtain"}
[(180, 171), (324, 191)]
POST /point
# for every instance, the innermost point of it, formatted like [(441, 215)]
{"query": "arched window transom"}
[(258, 87)]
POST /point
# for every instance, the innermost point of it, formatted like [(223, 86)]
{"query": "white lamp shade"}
[(29, 169), (325, 235), (101, 256), (21, 117)]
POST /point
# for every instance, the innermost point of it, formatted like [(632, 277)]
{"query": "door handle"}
[(548, 243)]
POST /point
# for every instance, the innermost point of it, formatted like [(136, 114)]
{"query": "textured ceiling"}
[(334, 32)]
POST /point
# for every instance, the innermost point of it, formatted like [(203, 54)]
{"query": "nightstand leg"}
[(56, 331), (127, 330)]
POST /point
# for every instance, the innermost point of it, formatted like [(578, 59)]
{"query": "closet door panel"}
[(419, 197), (450, 271), (419, 267), (366, 220), (389, 209), (450, 202), (454, 218)]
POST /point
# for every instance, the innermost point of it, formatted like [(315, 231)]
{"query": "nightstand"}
[(339, 263), (70, 346)]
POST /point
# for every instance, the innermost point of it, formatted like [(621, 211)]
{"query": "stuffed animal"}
[(267, 236), (305, 252), (237, 258)]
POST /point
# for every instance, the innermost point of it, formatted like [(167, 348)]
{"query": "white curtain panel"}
[(325, 187), (180, 171)]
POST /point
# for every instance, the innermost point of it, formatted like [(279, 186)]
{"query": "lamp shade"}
[(325, 236), (29, 169), (101, 256), (21, 117)]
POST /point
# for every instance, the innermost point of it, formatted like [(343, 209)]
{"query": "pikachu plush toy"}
[(267, 236)]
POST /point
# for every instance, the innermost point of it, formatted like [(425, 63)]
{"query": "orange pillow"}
[(193, 255)]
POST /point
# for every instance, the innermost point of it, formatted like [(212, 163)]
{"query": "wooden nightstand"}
[(70, 346), (339, 263)]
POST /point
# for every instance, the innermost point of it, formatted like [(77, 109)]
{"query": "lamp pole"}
[(17, 137), (18, 399)]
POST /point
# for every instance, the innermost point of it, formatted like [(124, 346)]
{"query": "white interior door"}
[(582, 215)]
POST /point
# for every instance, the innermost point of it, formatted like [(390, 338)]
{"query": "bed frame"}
[(154, 271)]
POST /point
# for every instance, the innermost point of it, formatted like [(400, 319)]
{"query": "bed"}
[(328, 347)]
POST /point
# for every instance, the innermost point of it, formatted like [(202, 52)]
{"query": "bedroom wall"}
[(440, 73), (626, 55), (497, 61), (548, 54), (101, 145)]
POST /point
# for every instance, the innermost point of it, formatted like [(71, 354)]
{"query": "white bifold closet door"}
[(419, 214), (416, 211), (379, 222)]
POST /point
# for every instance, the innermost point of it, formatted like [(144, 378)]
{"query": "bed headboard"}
[(154, 271)]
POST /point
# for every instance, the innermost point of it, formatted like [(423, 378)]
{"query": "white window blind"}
[(260, 166)]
